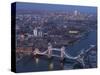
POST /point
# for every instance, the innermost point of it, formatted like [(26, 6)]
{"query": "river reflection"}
[(51, 63), (36, 60)]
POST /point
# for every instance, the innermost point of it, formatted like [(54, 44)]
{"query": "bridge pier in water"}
[(49, 50), (62, 53)]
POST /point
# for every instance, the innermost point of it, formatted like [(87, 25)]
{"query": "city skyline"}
[(55, 7)]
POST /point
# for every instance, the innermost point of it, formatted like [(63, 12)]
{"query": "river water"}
[(83, 43), (32, 64)]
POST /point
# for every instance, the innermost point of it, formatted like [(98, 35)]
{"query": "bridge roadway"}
[(65, 54)]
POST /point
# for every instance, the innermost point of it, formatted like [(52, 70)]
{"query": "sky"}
[(55, 7)]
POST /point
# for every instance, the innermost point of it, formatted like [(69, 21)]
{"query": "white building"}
[(35, 32)]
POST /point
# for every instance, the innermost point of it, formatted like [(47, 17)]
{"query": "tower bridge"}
[(63, 55)]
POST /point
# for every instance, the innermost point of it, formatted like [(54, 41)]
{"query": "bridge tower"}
[(36, 51), (49, 50), (62, 52)]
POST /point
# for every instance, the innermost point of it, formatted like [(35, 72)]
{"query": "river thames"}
[(42, 63)]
